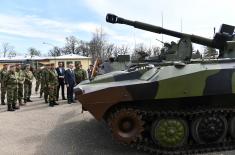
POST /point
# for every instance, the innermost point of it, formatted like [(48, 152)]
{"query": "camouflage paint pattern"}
[(159, 83)]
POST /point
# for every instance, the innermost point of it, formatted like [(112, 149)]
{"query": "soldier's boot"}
[(55, 103), (51, 104), (28, 100), (9, 108), (20, 103), (3, 102), (15, 107), (40, 94)]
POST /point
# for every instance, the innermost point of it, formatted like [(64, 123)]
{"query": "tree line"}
[(97, 47)]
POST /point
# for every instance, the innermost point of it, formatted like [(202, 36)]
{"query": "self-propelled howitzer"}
[(177, 107)]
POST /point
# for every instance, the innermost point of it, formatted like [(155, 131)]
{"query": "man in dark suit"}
[(70, 83), (61, 73)]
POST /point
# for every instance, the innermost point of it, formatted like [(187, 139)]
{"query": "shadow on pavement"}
[(81, 137)]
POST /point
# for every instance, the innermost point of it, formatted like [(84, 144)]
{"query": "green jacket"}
[(11, 79), (28, 77), (80, 75), (20, 76), (51, 78), (3, 75)]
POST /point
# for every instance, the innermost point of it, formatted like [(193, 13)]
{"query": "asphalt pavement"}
[(62, 130)]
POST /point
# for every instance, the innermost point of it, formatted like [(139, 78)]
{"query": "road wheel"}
[(170, 132), (126, 125), (209, 129)]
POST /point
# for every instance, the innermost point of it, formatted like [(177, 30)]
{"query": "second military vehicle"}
[(178, 107)]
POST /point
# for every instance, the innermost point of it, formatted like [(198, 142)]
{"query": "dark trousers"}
[(61, 84), (70, 94)]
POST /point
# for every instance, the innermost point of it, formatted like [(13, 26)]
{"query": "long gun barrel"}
[(156, 29)]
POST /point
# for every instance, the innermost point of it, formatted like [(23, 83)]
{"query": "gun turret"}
[(219, 41)]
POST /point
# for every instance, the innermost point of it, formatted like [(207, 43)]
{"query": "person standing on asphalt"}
[(70, 83), (61, 73), (52, 83), (11, 84), (28, 84), (44, 86), (20, 79), (3, 74), (37, 76)]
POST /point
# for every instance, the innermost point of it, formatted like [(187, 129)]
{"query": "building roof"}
[(24, 58), (71, 56)]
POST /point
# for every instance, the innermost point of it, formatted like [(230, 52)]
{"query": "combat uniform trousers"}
[(20, 93), (27, 90), (3, 93), (11, 95), (52, 94), (46, 93), (38, 82)]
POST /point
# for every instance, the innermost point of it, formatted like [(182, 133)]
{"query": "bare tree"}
[(6, 48), (56, 51), (121, 50), (97, 44), (84, 48), (33, 52), (210, 52), (11, 54), (71, 45)]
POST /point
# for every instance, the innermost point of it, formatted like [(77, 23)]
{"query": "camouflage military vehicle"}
[(182, 107)]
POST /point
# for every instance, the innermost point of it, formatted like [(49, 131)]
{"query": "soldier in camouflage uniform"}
[(52, 83), (3, 74), (37, 76), (20, 79), (80, 74), (44, 86), (11, 84), (27, 84)]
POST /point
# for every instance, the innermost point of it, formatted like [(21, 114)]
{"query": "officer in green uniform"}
[(28, 84), (37, 76), (44, 86), (11, 85), (41, 80), (3, 74), (80, 74), (52, 83), (20, 78)]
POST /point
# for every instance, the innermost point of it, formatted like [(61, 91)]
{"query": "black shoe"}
[(55, 103), (28, 100), (10, 108), (3, 103), (51, 104), (64, 98), (25, 101), (69, 102), (15, 107), (46, 101)]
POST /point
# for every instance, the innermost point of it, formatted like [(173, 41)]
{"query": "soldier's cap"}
[(17, 64), (91, 65), (5, 64), (11, 66), (52, 64)]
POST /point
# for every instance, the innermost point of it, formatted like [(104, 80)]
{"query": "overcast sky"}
[(28, 23)]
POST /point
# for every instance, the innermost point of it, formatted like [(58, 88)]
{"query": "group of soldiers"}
[(16, 83)]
